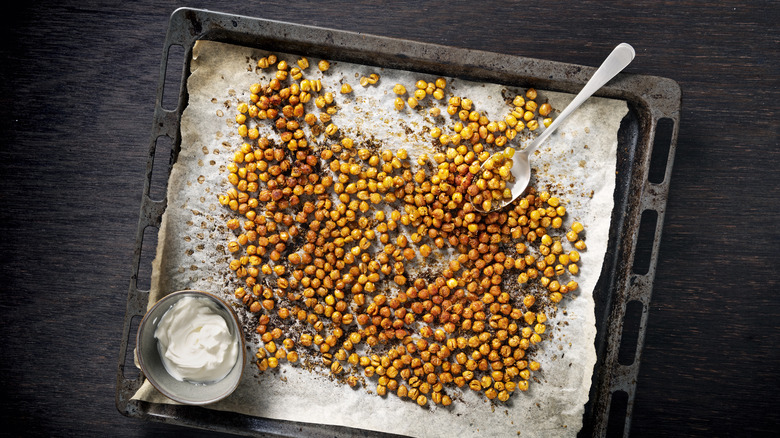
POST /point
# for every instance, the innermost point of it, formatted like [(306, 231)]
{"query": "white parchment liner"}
[(577, 164)]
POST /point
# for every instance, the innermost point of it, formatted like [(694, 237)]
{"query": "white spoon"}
[(620, 57)]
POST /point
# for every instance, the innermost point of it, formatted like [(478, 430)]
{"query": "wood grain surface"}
[(77, 88)]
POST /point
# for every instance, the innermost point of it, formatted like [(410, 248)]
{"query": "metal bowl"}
[(151, 364)]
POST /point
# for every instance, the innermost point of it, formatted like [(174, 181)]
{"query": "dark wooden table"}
[(78, 88)]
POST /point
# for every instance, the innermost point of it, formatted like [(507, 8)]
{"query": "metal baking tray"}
[(646, 147)]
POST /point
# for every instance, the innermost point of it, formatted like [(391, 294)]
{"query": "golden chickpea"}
[(545, 109)]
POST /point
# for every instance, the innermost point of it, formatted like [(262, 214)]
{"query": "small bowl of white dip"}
[(191, 347)]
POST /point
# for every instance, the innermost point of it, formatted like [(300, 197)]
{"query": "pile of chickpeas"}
[(335, 238), (491, 184)]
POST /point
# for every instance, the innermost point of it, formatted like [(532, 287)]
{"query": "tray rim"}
[(653, 96)]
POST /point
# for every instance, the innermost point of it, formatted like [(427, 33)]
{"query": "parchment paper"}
[(577, 164)]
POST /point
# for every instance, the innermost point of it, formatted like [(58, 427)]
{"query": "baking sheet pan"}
[(650, 100)]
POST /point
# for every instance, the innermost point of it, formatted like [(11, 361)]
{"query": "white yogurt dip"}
[(194, 341)]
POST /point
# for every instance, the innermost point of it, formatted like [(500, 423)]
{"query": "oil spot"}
[(220, 113)]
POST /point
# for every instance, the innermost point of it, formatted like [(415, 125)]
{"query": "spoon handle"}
[(621, 56)]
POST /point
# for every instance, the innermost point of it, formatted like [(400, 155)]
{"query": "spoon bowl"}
[(621, 56)]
